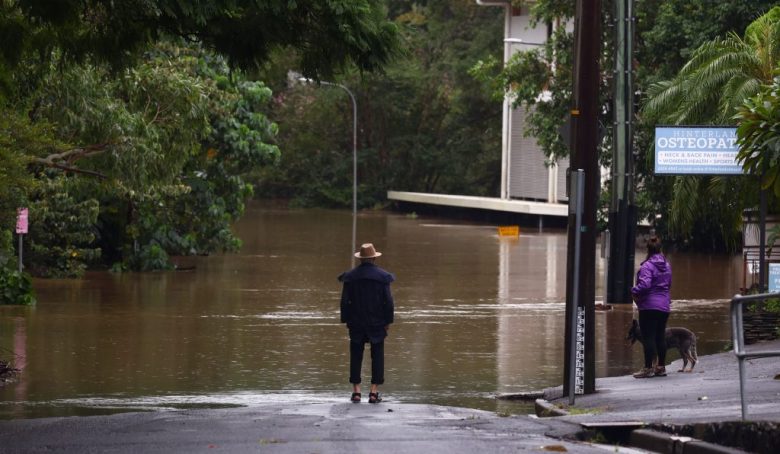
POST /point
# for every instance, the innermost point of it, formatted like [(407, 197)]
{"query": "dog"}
[(682, 339)]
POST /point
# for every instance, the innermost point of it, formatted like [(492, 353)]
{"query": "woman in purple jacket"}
[(651, 295)]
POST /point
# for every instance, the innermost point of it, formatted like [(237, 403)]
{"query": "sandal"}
[(355, 398), (374, 398)]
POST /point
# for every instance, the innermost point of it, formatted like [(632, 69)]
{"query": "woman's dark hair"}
[(653, 245)]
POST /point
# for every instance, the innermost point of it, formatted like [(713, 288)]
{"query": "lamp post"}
[(354, 160)]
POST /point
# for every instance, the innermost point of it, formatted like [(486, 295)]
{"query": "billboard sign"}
[(696, 150), (774, 277)]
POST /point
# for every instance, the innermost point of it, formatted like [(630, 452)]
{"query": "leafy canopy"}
[(327, 35), (720, 75)]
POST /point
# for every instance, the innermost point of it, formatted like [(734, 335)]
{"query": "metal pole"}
[(584, 148), (579, 184), (606, 246), (762, 241), (20, 251), (741, 362), (354, 172), (622, 221), (353, 246)]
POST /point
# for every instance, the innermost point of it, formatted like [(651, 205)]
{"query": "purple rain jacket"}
[(366, 302), (653, 283)]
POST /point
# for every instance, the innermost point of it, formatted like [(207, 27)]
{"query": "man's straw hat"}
[(367, 251)]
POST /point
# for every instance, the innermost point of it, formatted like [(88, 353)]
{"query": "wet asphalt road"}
[(709, 394), (280, 428)]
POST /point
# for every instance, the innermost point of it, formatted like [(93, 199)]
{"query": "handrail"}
[(738, 339)]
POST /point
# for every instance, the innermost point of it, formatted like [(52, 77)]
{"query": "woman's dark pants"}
[(653, 326), (377, 361)]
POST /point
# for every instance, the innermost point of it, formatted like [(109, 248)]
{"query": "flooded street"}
[(476, 315)]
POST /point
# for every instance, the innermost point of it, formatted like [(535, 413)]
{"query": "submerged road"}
[(709, 394)]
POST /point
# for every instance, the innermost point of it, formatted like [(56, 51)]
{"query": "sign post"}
[(584, 143), (21, 230), (576, 319)]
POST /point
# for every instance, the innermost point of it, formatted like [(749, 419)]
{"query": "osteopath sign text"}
[(696, 150)]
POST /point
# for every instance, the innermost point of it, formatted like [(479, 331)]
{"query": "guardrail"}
[(738, 339)]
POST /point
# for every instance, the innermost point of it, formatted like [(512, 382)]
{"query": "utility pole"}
[(584, 148), (622, 211)]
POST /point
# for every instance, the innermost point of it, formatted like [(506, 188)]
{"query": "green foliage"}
[(671, 30), (717, 78), (144, 126), (541, 80), (669, 33), (168, 140), (767, 305), (61, 231), (149, 257), (423, 125), (772, 305), (153, 136), (550, 11), (20, 141), (15, 287), (327, 35), (759, 135)]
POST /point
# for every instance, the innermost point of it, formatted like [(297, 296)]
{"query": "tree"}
[(720, 75), (327, 35), (424, 124), (669, 31), (62, 230), (759, 136), (168, 141)]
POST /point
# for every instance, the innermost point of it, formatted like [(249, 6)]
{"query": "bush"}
[(15, 287)]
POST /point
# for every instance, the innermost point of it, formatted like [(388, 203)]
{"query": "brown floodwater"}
[(476, 316)]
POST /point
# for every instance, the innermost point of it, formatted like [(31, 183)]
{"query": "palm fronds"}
[(712, 86)]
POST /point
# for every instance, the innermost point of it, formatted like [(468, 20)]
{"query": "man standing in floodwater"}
[(367, 309)]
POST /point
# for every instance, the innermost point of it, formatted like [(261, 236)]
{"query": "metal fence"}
[(738, 338)]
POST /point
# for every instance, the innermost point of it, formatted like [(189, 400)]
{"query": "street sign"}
[(509, 230), (21, 220)]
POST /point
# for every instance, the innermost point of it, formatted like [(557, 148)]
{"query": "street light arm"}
[(307, 80)]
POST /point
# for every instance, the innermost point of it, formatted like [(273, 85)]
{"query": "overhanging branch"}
[(65, 160)]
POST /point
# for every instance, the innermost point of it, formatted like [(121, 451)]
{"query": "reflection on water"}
[(477, 315)]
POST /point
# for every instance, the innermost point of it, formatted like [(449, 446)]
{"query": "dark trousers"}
[(653, 326), (377, 361)]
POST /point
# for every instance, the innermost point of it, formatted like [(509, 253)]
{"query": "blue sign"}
[(774, 277), (691, 150)]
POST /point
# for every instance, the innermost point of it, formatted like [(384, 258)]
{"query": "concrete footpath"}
[(708, 394), (705, 404), (328, 425)]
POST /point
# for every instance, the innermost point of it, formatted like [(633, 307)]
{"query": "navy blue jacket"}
[(366, 302)]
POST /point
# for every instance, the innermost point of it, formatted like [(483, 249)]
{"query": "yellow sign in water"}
[(508, 230)]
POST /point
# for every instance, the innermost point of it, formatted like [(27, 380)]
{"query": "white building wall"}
[(527, 175)]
